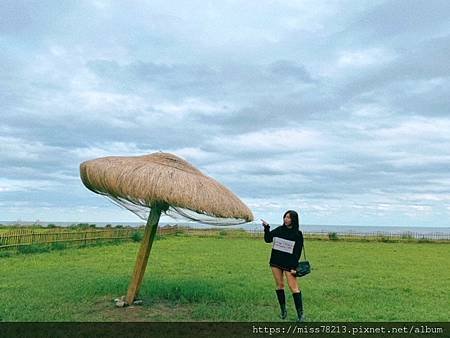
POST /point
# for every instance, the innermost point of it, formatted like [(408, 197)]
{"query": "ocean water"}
[(311, 228), (328, 228)]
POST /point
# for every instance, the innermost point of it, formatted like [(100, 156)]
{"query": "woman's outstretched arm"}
[(268, 235)]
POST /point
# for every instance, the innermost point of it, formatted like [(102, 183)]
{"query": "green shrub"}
[(51, 226), (386, 239), (180, 232), (30, 249), (116, 241), (57, 246), (407, 235), (5, 254), (137, 236), (82, 225), (332, 236)]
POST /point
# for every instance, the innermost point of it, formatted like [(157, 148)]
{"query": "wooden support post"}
[(144, 252)]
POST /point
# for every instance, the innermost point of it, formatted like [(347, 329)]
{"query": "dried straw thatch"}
[(142, 181)]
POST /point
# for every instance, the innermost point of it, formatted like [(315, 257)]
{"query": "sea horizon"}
[(254, 226)]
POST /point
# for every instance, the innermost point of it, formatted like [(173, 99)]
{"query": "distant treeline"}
[(71, 226)]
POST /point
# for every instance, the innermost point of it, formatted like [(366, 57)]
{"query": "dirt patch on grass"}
[(149, 311)]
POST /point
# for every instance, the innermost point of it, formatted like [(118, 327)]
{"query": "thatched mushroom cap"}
[(162, 178)]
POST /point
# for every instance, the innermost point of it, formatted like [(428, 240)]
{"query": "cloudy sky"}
[(339, 109)]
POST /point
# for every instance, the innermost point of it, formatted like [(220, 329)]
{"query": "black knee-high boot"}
[(298, 305), (282, 300)]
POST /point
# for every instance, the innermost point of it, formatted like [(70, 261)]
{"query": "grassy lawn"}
[(228, 279)]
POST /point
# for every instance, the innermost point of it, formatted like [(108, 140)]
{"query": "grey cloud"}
[(54, 197), (402, 18), (394, 83), (20, 17), (281, 109), (239, 83), (424, 60), (287, 69), (371, 177), (433, 102), (190, 79)]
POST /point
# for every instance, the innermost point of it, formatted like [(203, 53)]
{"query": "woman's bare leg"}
[(279, 281), (292, 282), (278, 276), (296, 294)]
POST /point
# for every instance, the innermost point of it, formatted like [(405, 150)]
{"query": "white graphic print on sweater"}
[(283, 245)]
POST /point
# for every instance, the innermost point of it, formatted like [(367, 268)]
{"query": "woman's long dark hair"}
[(294, 219)]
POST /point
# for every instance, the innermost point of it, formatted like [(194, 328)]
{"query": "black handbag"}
[(303, 267)]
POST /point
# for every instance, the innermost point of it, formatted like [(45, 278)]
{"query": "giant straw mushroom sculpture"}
[(161, 182)]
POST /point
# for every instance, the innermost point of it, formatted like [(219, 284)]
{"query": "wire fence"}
[(17, 238), (326, 235), (25, 237), (374, 235)]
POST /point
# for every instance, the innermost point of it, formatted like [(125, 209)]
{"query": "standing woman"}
[(287, 246)]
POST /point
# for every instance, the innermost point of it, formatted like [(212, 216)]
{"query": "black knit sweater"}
[(287, 246)]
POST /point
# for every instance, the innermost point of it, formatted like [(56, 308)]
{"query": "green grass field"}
[(228, 279)]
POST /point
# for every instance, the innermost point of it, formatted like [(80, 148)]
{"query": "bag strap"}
[(304, 250)]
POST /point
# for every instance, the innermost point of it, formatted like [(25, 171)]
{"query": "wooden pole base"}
[(144, 252)]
